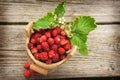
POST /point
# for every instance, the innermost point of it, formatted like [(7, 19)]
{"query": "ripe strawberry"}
[(27, 73), (62, 37), (47, 34), (57, 39), (61, 50), (45, 46), (50, 41), (62, 57), (55, 58), (39, 47), (33, 41), (54, 33), (67, 46), (43, 56), (30, 45), (36, 55), (33, 72), (42, 38), (37, 35), (63, 33), (51, 53), (49, 61), (34, 50), (58, 30), (63, 41), (54, 47), (27, 65)]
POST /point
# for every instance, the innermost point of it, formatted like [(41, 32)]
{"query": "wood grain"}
[(17, 11)]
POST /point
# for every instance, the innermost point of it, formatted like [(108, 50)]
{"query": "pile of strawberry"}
[(49, 45)]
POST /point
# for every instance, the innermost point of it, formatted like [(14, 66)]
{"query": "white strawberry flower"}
[(62, 20)]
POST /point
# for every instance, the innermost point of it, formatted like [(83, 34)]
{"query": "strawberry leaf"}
[(60, 9)]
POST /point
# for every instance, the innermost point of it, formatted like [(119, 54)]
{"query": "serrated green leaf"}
[(60, 9), (44, 22), (81, 45), (83, 25), (80, 29)]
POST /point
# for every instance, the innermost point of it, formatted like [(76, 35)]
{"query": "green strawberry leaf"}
[(80, 29), (83, 25), (44, 22), (81, 45), (60, 9)]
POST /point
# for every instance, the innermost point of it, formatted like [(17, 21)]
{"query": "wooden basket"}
[(38, 65)]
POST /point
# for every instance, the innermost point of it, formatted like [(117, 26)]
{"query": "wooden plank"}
[(96, 64), (103, 38), (102, 11)]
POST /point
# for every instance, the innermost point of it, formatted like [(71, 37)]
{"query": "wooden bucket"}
[(37, 65)]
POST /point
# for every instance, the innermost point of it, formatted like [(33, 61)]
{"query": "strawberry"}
[(27, 65), (63, 41), (45, 46), (62, 57), (54, 47), (49, 61), (30, 45), (33, 41), (42, 38), (57, 39), (47, 34), (55, 58), (58, 30), (67, 46), (27, 73), (36, 55), (37, 35), (43, 56), (51, 53), (39, 47), (34, 50), (54, 33), (50, 41), (62, 37), (63, 33), (61, 50)]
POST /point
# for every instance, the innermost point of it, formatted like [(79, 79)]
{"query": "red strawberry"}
[(37, 35), (33, 41), (54, 33), (62, 57), (51, 53), (63, 33), (54, 47), (61, 50), (49, 61), (67, 46), (33, 72), (50, 41), (39, 47), (55, 58), (30, 45), (57, 39), (58, 30), (43, 56), (36, 55), (45, 46), (27, 65), (42, 38), (63, 41), (47, 34), (27, 73), (34, 50), (62, 37)]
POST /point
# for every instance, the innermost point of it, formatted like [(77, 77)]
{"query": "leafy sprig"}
[(77, 30)]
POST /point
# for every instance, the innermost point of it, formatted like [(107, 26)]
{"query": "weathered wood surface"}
[(24, 11), (103, 60), (103, 43)]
